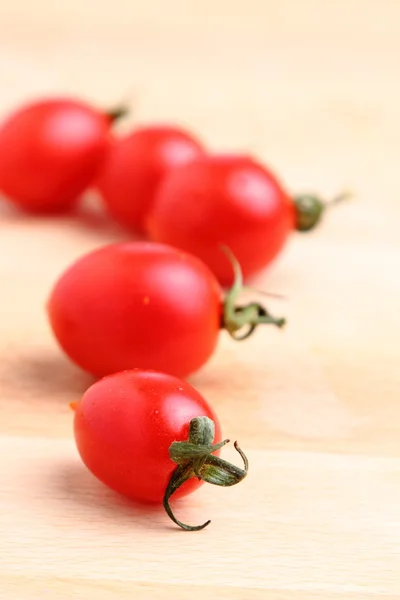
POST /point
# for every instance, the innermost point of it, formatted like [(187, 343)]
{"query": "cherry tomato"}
[(231, 200), (135, 167), (130, 429), (125, 423), (50, 151), (145, 305)]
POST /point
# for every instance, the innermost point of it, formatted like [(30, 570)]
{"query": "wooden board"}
[(312, 88)]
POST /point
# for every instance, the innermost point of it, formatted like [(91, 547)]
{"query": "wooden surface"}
[(312, 87)]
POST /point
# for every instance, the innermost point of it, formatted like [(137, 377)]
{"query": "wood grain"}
[(312, 88)]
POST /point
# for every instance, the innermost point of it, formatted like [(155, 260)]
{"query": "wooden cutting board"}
[(312, 88)]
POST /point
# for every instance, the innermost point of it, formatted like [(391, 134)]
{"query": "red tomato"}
[(145, 305), (231, 200), (50, 151), (125, 424), (137, 305), (135, 167)]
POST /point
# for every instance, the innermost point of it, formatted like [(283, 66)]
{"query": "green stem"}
[(117, 113), (249, 316), (179, 477), (194, 458), (345, 195)]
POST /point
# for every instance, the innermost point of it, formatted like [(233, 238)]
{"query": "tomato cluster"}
[(159, 180), (142, 315)]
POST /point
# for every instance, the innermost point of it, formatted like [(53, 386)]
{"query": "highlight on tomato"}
[(150, 436), (135, 167), (146, 305), (232, 200), (50, 151)]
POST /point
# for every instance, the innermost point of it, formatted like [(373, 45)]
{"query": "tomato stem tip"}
[(117, 113), (247, 317), (195, 458)]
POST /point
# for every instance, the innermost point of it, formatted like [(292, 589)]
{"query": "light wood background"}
[(313, 88)]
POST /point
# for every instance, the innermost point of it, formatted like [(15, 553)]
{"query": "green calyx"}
[(248, 317), (310, 209), (195, 458)]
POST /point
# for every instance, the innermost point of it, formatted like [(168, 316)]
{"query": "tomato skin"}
[(231, 200), (124, 425), (135, 167), (137, 305), (50, 151)]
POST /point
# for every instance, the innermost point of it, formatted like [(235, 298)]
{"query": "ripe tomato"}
[(50, 151), (145, 305), (135, 167), (231, 200), (125, 423), (131, 427)]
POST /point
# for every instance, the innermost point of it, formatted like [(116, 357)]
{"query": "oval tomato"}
[(145, 305), (50, 151), (135, 167), (231, 200), (124, 425), (150, 436)]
